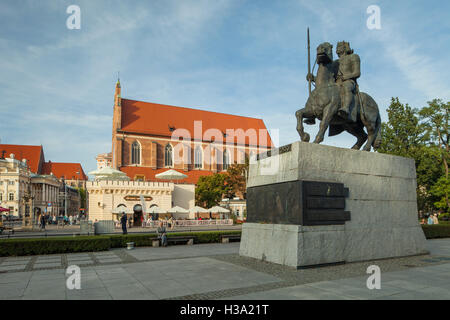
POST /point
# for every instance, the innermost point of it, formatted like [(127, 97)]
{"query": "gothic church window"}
[(168, 158), (135, 153), (198, 158)]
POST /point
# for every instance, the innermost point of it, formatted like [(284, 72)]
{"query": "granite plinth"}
[(381, 200)]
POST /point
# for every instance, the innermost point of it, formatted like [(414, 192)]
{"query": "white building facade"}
[(14, 182), (109, 198)]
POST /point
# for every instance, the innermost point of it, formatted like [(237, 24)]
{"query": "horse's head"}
[(325, 53)]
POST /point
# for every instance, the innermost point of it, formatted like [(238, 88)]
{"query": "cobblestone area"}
[(291, 277)]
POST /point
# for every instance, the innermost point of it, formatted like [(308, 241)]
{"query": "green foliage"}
[(440, 191), (423, 136), (37, 246), (236, 180), (436, 117), (210, 189), (444, 216), (206, 236), (403, 133), (436, 231), (140, 240), (23, 247)]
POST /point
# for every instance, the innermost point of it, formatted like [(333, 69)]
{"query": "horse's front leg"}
[(299, 115), (328, 113)]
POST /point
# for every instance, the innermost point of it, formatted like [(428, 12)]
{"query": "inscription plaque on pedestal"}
[(306, 203)]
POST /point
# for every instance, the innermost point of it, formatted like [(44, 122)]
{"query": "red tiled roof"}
[(150, 173), (33, 154), (155, 119), (66, 170)]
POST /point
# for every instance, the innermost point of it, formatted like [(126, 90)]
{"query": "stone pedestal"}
[(380, 207), (104, 227)]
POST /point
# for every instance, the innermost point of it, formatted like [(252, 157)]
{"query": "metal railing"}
[(184, 223)]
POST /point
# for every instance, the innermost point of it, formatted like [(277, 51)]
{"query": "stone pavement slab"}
[(12, 267), (196, 272)]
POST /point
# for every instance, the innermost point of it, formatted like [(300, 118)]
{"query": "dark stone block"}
[(298, 202)]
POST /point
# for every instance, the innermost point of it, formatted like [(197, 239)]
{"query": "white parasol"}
[(177, 209), (156, 209), (171, 175), (217, 209), (108, 173)]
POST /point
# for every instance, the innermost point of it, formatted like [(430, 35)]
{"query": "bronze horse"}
[(324, 103)]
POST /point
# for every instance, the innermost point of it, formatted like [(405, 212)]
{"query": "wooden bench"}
[(188, 240), (225, 238)]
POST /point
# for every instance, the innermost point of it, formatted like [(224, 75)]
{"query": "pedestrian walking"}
[(123, 221), (43, 222), (430, 219)]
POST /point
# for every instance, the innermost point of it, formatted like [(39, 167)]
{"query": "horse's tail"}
[(377, 142)]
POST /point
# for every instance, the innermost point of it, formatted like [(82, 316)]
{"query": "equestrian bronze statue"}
[(336, 100)]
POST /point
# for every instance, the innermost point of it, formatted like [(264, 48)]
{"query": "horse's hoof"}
[(305, 137)]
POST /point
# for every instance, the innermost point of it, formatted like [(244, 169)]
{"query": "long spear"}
[(309, 64)]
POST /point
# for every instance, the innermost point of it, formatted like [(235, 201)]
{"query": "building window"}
[(168, 156), (218, 160), (139, 178), (135, 153), (11, 182), (226, 160), (11, 196), (198, 158)]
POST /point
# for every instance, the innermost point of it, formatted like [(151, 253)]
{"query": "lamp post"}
[(28, 200)]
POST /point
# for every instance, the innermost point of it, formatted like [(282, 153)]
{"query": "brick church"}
[(150, 138)]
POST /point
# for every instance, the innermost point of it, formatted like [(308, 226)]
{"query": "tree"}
[(406, 134), (428, 171), (236, 179), (435, 119), (210, 189), (403, 133), (441, 190)]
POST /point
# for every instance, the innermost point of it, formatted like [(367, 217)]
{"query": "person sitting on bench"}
[(161, 231)]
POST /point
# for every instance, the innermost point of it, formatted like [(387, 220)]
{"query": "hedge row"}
[(36, 246), (434, 231), (24, 247)]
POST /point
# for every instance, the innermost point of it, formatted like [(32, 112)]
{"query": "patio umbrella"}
[(193, 212), (179, 212), (217, 209), (177, 209), (108, 173), (156, 209), (171, 175)]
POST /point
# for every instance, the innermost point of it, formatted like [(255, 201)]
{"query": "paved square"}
[(212, 271)]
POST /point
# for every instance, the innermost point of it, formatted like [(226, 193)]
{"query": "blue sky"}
[(245, 57)]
